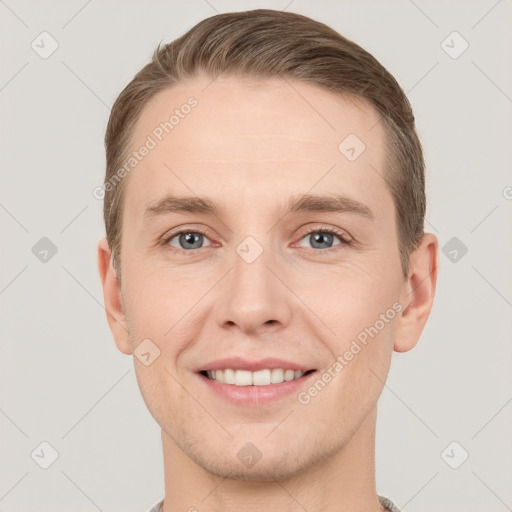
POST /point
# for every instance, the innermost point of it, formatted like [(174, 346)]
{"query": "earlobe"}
[(417, 294), (114, 306)]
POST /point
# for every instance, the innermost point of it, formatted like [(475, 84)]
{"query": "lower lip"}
[(254, 396)]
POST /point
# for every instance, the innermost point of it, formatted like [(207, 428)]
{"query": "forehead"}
[(245, 142)]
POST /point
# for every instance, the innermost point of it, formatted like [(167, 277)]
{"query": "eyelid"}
[(321, 228)]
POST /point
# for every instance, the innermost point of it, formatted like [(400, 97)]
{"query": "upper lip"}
[(239, 363)]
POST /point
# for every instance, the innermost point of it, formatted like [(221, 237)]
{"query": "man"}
[(265, 254)]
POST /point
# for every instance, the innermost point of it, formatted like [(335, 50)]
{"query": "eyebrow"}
[(295, 204)]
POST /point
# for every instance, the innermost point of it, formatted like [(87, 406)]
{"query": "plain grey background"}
[(62, 380)]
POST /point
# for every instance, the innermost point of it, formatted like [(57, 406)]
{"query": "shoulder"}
[(388, 504), (156, 506)]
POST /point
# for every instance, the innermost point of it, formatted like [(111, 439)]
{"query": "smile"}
[(263, 377)]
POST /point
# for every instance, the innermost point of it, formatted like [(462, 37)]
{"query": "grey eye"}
[(321, 239), (188, 240)]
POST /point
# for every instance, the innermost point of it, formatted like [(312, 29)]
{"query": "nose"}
[(253, 297)]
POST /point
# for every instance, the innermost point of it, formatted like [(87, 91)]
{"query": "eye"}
[(186, 240), (323, 237), (319, 237)]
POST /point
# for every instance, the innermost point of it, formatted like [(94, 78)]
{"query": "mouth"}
[(264, 377)]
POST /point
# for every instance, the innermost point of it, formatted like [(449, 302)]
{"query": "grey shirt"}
[(384, 501)]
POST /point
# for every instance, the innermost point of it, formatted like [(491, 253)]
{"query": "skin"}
[(250, 145)]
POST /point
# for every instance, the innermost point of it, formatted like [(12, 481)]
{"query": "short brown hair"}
[(263, 44)]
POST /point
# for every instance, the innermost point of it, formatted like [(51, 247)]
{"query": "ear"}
[(417, 295), (113, 299)]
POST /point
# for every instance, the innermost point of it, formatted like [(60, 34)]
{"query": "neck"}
[(342, 481)]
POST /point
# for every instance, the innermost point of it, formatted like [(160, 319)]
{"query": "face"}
[(265, 275)]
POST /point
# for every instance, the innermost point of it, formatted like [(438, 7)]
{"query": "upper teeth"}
[(248, 378)]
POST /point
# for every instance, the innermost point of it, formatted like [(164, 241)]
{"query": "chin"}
[(277, 465), (260, 472)]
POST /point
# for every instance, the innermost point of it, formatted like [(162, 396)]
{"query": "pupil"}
[(321, 238), (191, 238)]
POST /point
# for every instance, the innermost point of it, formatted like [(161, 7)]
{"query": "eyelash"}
[(345, 240)]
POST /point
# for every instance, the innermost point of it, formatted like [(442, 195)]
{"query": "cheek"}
[(154, 297), (165, 308), (361, 311), (363, 356), (348, 300), (160, 389)]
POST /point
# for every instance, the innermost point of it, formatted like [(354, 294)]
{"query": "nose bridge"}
[(253, 296)]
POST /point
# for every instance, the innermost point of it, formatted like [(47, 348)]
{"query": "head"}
[(251, 115)]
